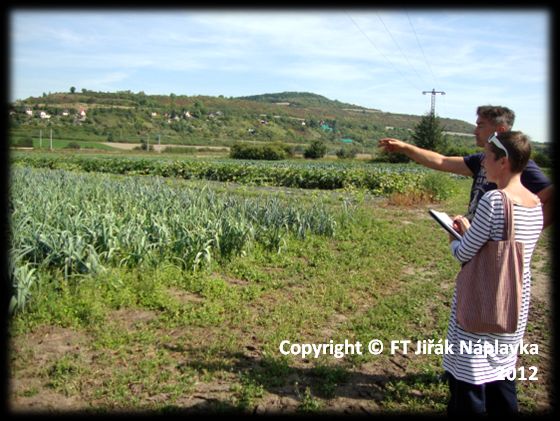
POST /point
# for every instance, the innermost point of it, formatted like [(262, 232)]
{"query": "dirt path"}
[(159, 148), (541, 280)]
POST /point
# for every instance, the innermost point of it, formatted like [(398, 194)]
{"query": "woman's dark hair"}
[(518, 146)]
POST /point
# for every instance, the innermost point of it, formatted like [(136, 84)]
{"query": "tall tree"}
[(428, 134)]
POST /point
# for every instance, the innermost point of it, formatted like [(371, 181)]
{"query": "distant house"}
[(44, 115), (65, 113), (346, 140), (29, 112), (80, 116), (389, 128), (154, 114), (214, 115), (188, 114)]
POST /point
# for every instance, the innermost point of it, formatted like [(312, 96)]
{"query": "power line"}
[(399, 47), (379, 51), (421, 49)]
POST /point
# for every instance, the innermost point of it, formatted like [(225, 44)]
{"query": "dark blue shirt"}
[(531, 177)]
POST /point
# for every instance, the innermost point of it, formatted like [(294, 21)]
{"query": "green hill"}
[(292, 117), (299, 99)]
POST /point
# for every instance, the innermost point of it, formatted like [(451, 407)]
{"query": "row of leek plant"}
[(80, 223)]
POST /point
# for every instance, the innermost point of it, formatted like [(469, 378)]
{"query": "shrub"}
[(393, 158), (26, 142), (542, 159), (438, 186), (72, 145), (269, 152), (460, 151), (144, 145), (343, 153), (433, 187), (316, 150), (289, 149)]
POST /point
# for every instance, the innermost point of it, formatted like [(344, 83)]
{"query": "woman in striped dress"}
[(478, 381)]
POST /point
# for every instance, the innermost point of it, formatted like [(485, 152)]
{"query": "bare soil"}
[(159, 148)]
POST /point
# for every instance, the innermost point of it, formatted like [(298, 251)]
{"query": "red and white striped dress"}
[(488, 224)]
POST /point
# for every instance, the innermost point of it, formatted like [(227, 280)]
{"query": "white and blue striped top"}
[(488, 224)]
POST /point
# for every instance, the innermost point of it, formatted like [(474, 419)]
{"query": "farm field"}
[(379, 179), (145, 290)]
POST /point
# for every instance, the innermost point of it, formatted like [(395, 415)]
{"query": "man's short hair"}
[(497, 115)]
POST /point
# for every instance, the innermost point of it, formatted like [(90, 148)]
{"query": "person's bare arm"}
[(546, 197), (430, 159)]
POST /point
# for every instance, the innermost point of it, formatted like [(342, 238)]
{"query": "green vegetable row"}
[(378, 179)]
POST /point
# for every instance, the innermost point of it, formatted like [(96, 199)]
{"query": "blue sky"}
[(380, 59)]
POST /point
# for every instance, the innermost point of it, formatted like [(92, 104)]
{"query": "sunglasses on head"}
[(494, 139)]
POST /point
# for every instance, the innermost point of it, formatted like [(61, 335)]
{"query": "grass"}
[(163, 339)]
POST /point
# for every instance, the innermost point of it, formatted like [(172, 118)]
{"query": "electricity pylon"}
[(433, 92)]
